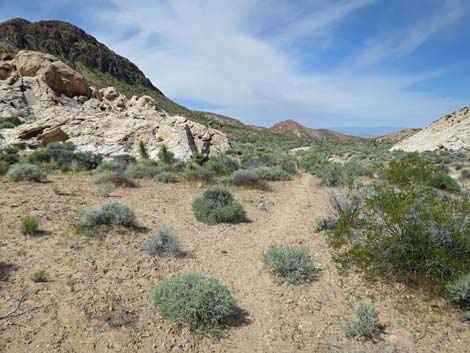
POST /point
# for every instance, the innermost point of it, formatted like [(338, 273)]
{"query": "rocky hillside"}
[(292, 128), (54, 103), (452, 132), (398, 136)]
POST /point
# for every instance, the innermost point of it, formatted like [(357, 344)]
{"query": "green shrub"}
[(40, 276), (365, 324), (416, 235), (41, 155), (9, 123), (218, 206), (333, 174), (290, 264), (110, 166), (162, 243), (165, 156), (9, 154), (166, 178), (313, 162), (271, 173), (442, 181), (283, 161), (141, 171), (30, 225), (143, 150), (222, 165), (4, 166), (107, 214), (105, 189), (86, 160), (63, 153), (459, 291), (246, 178), (118, 179), (196, 301), (326, 223), (197, 173), (26, 172)]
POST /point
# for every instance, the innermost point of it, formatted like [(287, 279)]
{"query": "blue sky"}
[(324, 63)]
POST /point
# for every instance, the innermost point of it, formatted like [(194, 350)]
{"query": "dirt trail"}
[(98, 296)]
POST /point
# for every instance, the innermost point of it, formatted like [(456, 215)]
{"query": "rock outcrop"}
[(450, 132), (55, 104)]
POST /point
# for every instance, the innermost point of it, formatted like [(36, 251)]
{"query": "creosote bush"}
[(194, 172), (30, 225), (290, 264), (459, 291), (39, 276), (108, 214), (271, 173), (196, 301), (163, 243), (118, 179), (222, 165), (26, 172), (365, 324), (218, 206)]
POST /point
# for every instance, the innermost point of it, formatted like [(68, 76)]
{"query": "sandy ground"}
[(97, 298)]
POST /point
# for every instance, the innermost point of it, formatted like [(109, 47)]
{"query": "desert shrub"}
[(124, 159), (9, 123), (105, 189), (29, 225), (165, 156), (9, 154), (166, 178), (222, 165), (218, 206), (26, 172), (110, 166), (107, 214), (39, 276), (313, 162), (271, 173), (196, 301), (459, 291), (143, 150), (346, 203), (442, 181), (41, 155), (162, 243), (61, 152), (246, 178), (290, 264), (196, 172), (87, 160), (64, 155), (326, 223), (4, 166), (141, 171), (333, 174), (365, 324), (416, 235), (465, 173), (283, 161), (118, 179)]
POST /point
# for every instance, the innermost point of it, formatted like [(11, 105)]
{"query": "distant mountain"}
[(292, 128)]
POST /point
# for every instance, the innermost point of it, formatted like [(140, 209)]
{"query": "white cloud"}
[(238, 55)]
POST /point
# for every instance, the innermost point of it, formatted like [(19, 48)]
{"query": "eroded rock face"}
[(55, 107), (450, 132)]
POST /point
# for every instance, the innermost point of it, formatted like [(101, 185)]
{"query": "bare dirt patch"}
[(97, 297)]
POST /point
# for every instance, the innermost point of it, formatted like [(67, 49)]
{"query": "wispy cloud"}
[(248, 58)]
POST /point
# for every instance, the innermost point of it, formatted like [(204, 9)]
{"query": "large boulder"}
[(54, 73)]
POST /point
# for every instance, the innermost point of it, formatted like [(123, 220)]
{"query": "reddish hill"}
[(293, 128)]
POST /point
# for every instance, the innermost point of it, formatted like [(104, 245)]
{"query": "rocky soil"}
[(97, 298)]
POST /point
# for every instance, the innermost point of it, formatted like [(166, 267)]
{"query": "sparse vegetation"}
[(30, 225), (26, 172), (105, 189), (118, 179), (196, 301), (163, 243), (222, 165), (142, 171), (246, 178), (290, 264), (326, 223), (194, 172), (167, 178), (365, 324), (218, 206)]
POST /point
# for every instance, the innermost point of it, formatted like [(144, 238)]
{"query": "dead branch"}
[(13, 310)]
